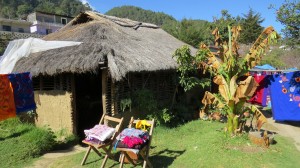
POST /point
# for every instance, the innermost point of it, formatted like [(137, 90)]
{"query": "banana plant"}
[(229, 71)]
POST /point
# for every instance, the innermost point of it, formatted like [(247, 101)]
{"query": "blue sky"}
[(198, 9)]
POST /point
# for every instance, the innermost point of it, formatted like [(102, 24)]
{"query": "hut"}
[(75, 85)]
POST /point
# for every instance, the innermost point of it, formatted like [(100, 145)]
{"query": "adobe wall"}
[(54, 109)]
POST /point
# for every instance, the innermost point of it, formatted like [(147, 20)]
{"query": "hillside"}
[(17, 9), (142, 15), (187, 30)]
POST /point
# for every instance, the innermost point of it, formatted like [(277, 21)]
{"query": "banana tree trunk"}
[(232, 123)]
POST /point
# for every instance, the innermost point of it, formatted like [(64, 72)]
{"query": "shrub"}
[(20, 142)]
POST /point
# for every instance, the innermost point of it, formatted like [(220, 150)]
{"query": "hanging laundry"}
[(7, 104), (258, 95), (285, 96), (23, 91), (266, 98)]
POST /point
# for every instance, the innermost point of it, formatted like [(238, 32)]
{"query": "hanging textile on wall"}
[(23, 91), (7, 104), (258, 95), (285, 96), (266, 98)]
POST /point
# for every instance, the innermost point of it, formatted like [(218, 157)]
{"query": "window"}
[(21, 30), (58, 82), (63, 21), (48, 31), (6, 28)]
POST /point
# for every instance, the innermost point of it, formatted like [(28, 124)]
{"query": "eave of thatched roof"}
[(126, 45)]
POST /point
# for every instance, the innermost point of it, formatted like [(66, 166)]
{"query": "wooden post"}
[(104, 89), (74, 112), (114, 107)]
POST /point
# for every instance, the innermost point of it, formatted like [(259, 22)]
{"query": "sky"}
[(198, 9)]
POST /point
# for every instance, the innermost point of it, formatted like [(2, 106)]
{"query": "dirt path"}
[(287, 129), (47, 159)]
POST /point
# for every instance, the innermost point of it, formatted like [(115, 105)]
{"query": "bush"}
[(20, 142), (144, 100)]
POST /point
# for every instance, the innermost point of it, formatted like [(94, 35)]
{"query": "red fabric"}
[(258, 95), (7, 103)]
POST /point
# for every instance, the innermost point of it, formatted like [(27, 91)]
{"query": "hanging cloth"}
[(258, 95), (23, 92), (7, 104), (285, 96)]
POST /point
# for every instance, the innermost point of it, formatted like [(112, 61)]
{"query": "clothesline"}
[(276, 70)]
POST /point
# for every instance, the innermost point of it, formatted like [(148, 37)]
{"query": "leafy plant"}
[(145, 101), (228, 70), (125, 103)]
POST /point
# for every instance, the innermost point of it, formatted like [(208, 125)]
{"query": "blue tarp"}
[(285, 96), (265, 67)]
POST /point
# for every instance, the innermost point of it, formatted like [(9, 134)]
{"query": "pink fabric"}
[(132, 141)]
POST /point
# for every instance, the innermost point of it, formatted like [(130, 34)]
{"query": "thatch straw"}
[(127, 46)]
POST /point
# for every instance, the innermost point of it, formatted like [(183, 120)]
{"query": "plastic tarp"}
[(265, 67), (18, 49), (285, 96)]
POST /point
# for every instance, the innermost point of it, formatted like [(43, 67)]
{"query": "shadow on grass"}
[(162, 158), (165, 158), (14, 135)]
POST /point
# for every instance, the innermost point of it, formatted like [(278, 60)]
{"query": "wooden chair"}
[(107, 146), (144, 152)]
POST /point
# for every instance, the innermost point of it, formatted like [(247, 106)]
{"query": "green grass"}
[(202, 144), (20, 143)]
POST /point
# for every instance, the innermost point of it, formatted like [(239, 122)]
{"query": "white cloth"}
[(17, 49)]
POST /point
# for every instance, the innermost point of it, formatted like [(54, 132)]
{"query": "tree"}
[(193, 32), (228, 73), (250, 24), (222, 23), (289, 15), (23, 10)]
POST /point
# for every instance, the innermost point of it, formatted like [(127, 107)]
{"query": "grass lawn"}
[(20, 143), (202, 144)]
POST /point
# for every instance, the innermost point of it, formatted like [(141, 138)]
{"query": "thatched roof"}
[(126, 45)]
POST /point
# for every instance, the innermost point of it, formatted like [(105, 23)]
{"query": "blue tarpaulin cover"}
[(285, 96), (265, 67)]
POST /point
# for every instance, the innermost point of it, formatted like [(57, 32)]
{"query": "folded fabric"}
[(121, 144), (133, 132), (100, 132), (132, 137)]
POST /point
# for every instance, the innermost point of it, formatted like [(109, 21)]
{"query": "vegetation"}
[(289, 15), (228, 72), (201, 144), (142, 15), (14, 9), (146, 103), (20, 143), (251, 25), (225, 20)]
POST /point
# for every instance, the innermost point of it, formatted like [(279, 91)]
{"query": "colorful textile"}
[(266, 98), (258, 95), (121, 144), (132, 138), (7, 104), (99, 132), (285, 96), (23, 91)]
